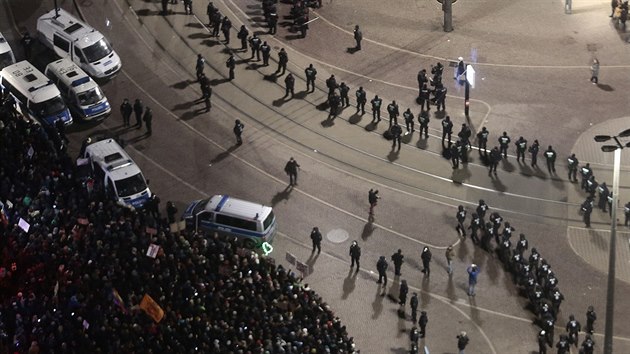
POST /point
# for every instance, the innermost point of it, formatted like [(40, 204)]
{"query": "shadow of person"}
[(450, 290), (271, 77), (352, 50), (280, 196), (300, 95), (605, 87), (498, 185), (279, 102), (221, 156), (422, 143), (182, 84), (507, 166), (393, 155), (349, 284), (215, 82), (328, 122), (368, 229), (371, 126), (377, 304), (425, 298)]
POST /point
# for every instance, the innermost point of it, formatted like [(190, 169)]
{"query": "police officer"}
[(494, 159), (27, 42), (148, 120), (201, 63), (521, 147), (587, 208), (343, 93), (463, 151), (447, 129), (482, 140), (316, 238), (533, 149), (397, 259), (542, 342), (125, 110), (588, 345), (426, 260), (393, 111), (461, 217), (591, 316), (231, 64), (255, 44), (548, 326), (216, 23), (164, 7), (206, 91), (355, 254), (422, 80), (373, 198), (238, 131), (376, 108), (210, 10), (361, 100), (586, 172), (396, 132), (504, 141), (265, 49), (573, 328), (573, 167), (242, 34), (626, 213), (331, 83), (413, 336), (455, 151), (226, 25), (291, 169), (425, 95), (482, 208), (334, 101), (408, 120), (464, 134), (563, 345), (289, 83), (422, 322), (188, 7), (522, 244), (413, 302), (603, 196), (272, 21), (283, 60), (381, 267), (476, 223), (311, 74), (358, 36), (550, 156), (423, 120), (138, 109), (402, 295), (440, 97)]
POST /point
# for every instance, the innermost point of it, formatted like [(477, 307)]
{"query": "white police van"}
[(6, 54), (36, 97), (82, 94), (253, 223), (69, 37), (121, 177)]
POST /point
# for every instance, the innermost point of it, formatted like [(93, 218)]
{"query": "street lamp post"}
[(610, 291)]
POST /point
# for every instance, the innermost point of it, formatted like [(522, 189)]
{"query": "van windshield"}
[(97, 51), (130, 185), (6, 59), (200, 206), (90, 97), (48, 108)]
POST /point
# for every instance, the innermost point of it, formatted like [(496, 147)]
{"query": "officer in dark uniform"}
[(381, 267), (588, 345), (573, 167), (273, 23), (289, 82), (440, 97), (138, 109), (521, 147), (265, 49), (358, 36), (171, 211), (402, 296), (586, 172), (413, 302), (311, 74), (626, 213), (396, 132), (27, 42), (482, 208), (461, 217), (603, 196), (206, 92), (283, 60), (125, 110), (563, 345), (188, 7), (425, 95), (201, 63), (495, 158), (542, 342), (242, 34), (463, 152), (216, 23), (422, 322), (455, 151), (591, 316), (413, 336), (408, 120), (210, 10), (331, 83), (533, 149), (587, 208), (316, 238), (550, 156), (447, 129), (392, 109), (482, 140), (148, 120), (255, 43), (238, 131), (548, 326), (164, 7), (522, 244), (376, 108), (343, 93), (397, 259), (355, 254), (426, 260), (423, 120), (231, 64), (504, 142), (291, 169), (422, 80), (464, 134), (475, 224), (361, 100), (334, 101), (573, 327)]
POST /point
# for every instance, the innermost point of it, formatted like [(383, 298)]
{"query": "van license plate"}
[(107, 63)]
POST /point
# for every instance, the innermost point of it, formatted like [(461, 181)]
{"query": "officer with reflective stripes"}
[(586, 172), (504, 141), (521, 147), (550, 155), (461, 217), (482, 140), (573, 167)]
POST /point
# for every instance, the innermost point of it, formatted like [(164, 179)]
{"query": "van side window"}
[(61, 43), (79, 54), (205, 217), (236, 222), (17, 94)]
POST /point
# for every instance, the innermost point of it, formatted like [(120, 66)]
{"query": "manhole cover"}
[(337, 235)]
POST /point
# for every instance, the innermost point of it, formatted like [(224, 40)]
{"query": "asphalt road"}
[(532, 62)]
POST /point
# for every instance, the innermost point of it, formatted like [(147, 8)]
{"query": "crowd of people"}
[(75, 274)]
